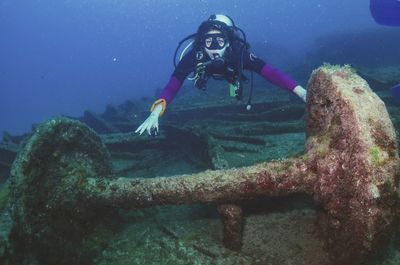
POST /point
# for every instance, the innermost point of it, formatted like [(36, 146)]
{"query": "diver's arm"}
[(159, 106), (167, 95), (277, 77), (169, 92), (183, 69), (273, 75), (282, 80)]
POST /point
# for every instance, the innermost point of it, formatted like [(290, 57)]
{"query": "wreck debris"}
[(99, 124), (217, 154), (381, 77), (263, 128), (195, 124), (62, 177)]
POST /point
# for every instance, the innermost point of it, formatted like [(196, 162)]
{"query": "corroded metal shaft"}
[(218, 186)]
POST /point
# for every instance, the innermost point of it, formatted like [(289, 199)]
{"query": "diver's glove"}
[(151, 123), (301, 92)]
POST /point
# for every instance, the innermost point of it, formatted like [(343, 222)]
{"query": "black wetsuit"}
[(230, 70)]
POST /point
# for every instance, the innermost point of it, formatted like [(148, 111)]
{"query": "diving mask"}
[(215, 44)]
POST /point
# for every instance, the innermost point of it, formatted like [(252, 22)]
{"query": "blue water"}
[(62, 57)]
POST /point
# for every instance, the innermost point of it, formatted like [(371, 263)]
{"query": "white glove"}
[(151, 122), (301, 92)]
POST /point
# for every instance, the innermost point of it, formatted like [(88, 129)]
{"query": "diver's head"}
[(215, 35)]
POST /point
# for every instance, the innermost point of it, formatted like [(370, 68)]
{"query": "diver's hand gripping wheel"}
[(151, 123)]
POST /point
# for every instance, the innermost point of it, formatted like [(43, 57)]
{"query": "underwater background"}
[(68, 56), (105, 62)]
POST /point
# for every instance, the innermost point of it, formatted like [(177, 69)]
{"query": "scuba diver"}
[(219, 50), (387, 13)]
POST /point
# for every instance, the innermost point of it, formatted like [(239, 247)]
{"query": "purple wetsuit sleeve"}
[(171, 89), (271, 74), (277, 77), (184, 68)]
